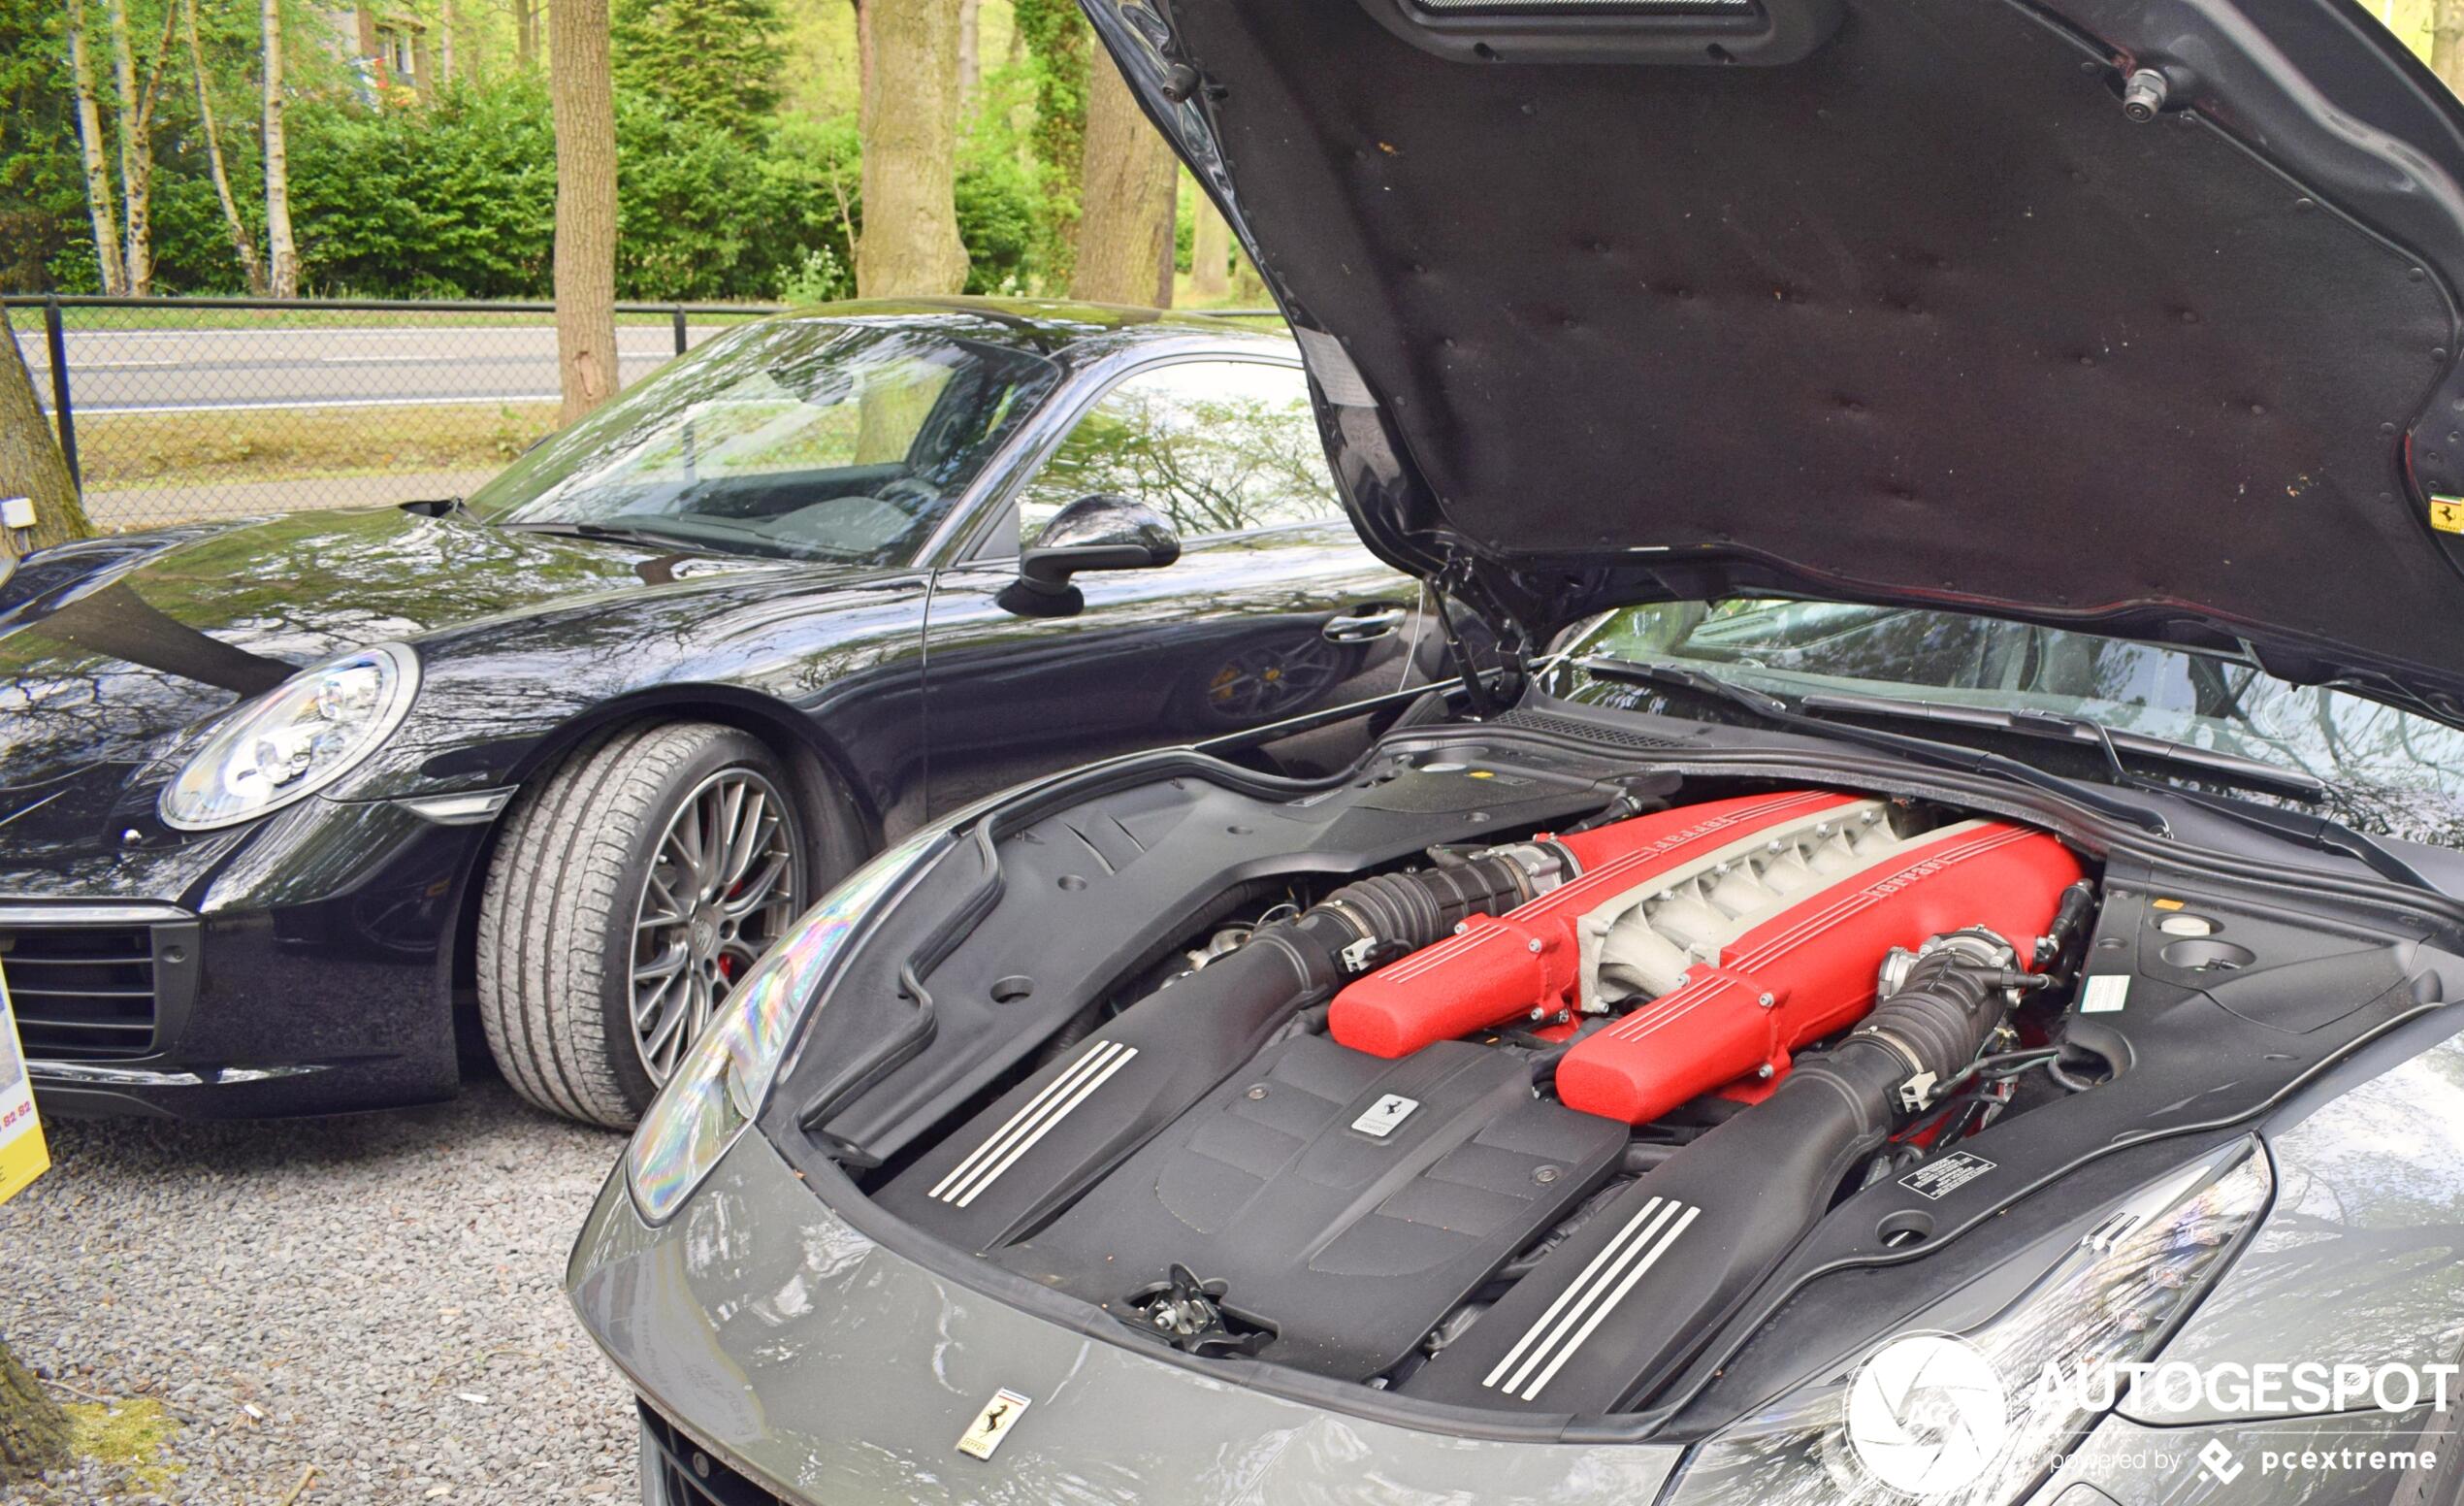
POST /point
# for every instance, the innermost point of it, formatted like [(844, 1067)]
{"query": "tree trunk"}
[(34, 1432), (582, 91), (1167, 229), (526, 33), (242, 245), (1125, 196), (1210, 252), (446, 16), (136, 139), (970, 51), (31, 467), (98, 174), (910, 242), (2447, 43), (282, 256), (136, 157), (863, 56)]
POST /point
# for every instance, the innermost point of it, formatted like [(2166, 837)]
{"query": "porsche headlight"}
[(295, 740), (1975, 1419), (718, 1088)]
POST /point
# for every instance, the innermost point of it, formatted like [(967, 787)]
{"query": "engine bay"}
[(1504, 1081)]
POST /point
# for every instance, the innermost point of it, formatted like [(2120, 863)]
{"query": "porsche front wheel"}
[(627, 893)]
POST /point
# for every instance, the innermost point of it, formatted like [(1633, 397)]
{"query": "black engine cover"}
[(1348, 1202)]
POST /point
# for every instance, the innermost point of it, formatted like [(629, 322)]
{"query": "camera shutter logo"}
[(1928, 1414)]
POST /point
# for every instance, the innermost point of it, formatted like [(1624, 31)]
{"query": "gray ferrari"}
[(1911, 961)]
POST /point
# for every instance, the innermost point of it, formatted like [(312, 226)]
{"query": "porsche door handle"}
[(1362, 626)]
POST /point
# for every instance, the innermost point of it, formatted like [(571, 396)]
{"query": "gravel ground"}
[(376, 1297)]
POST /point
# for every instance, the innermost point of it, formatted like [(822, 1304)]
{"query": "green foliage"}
[(1005, 215), (45, 235), (42, 191), (703, 214), (456, 199), (1000, 220), (713, 62), (1058, 43), (719, 194)]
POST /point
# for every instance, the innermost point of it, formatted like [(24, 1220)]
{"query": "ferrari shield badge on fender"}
[(993, 1423)]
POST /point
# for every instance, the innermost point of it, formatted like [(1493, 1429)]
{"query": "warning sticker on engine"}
[(1944, 1174), (2104, 993)]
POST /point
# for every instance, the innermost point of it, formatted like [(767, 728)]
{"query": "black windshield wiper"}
[(2323, 833), (1779, 714), (2318, 833), (601, 533), (2028, 721)]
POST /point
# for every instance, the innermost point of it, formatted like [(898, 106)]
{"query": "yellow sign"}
[(23, 1156), (2446, 515)]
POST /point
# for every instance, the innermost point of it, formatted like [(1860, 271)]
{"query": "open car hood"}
[(1877, 300)]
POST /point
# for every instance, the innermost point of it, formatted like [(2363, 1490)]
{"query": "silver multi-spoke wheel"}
[(629, 892), (722, 884)]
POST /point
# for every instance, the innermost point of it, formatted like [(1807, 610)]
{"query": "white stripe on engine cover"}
[(1597, 1291), (1036, 1119)]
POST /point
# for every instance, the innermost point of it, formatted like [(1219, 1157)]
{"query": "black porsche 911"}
[(275, 796)]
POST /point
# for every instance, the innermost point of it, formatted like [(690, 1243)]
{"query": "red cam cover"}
[(1798, 974)]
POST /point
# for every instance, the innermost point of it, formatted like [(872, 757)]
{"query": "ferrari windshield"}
[(2389, 772), (828, 438)]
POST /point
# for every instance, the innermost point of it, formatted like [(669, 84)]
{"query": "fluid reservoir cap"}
[(2187, 926)]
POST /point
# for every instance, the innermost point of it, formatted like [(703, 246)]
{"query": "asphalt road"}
[(174, 371)]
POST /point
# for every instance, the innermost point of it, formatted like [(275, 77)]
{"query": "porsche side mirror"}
[(1092, 533)]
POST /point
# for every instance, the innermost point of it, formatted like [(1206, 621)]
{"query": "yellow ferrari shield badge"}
[(24, 1157)]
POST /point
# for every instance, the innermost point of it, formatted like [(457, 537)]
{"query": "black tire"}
[(569, 890)]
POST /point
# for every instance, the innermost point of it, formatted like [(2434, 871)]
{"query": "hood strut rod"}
[(1475, 685)]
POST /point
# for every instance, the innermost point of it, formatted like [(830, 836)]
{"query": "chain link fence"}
[(185, 409)]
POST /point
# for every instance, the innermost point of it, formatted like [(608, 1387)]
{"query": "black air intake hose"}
[(1363, 925), (1734, 1202), (1949, 1004), (1374, 920)]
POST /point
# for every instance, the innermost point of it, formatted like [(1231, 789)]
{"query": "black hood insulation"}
[(1947, 311)]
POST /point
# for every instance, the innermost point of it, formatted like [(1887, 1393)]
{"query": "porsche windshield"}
[(2387, 770), (825, 439)]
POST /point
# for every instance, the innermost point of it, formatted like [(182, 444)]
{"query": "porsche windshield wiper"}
[(604, 533), (2029, 721), (1779, 713)]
